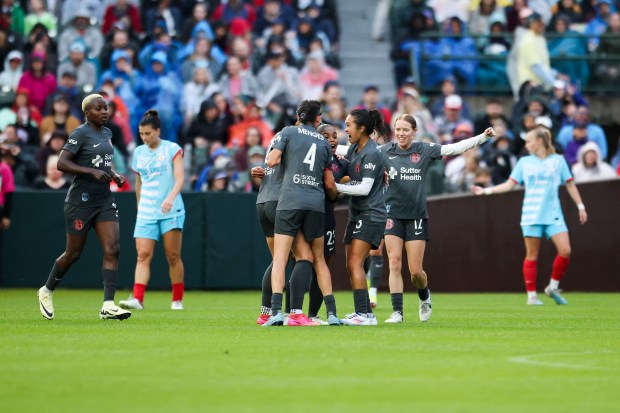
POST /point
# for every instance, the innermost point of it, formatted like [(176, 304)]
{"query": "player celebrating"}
[(158, 165), (300, 215), (88, 155), (367, 212), (406, 163), (542, 172)]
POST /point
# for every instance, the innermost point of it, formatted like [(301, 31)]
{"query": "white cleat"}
[(356, 319), (372, 319), (396, 317), (318, 320), (110, 311), (46, 306), (131, 304), (176, 305), (534, 301), (426, 309)]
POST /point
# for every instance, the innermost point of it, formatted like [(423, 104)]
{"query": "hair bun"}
[(151, 112)]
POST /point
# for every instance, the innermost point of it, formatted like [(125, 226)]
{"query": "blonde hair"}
[(88, 99), (545, 135)]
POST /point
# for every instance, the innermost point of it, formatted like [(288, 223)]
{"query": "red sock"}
[(559, 267), (529, 275), (177, 291), (138, 291)]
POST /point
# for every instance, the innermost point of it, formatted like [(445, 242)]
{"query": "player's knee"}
[(111, 251), (70, 257), (173, 258), (144, 256), (396, 263), (564, 251), (417, 274)]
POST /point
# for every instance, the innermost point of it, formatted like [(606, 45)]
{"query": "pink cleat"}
[(262, 319), (301, 320)]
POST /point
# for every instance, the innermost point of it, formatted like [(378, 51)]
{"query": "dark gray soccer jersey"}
[(368, 163), (91, 149), (305, 155), (339, 170), (405, 197), (269, 190)]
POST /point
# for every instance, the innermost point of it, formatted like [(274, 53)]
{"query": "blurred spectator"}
[(590, 166), (199, 14), (608, 72), (409, 102), (278, 86), (67, 86), (234, 9), (615, 160), (116, 118), (569, 9), (37, 13), (80, 29), (332, 94), (435, 175), (196, 91), (53, 145), (446, 9), (569, 43), (22, 107), (594, 132), (218, 180), (94, 8), (39, 40), (579, 139), (452, 115), (460, 170), (542, 8), (124, 78), (235, 81), (207, 126), (315, 74), (200, 47), (598, 25), (482, 177), (12, 16), (85, 71), (251, 118), (480, 19), (513, 19), (203, 55), (371, 101), (169, 13), (7, 187), (493, 110), (121, 10), (253, 141), (496, 47), (162, 42), (37, 81), (24, 167), (499, 159), (241, 48), (117, 40), (13, 70), (53, 180), (59, 118), (448, 87), (270, 12)]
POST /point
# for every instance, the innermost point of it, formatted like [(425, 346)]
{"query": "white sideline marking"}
[(528, 359)]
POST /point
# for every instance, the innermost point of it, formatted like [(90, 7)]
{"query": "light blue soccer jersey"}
[(541, 178), (157, 175)]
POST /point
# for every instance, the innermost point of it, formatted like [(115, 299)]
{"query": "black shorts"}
[(267, 217), (408, 229), (330, 242), (79, 219), (310, 223), (365, 230)]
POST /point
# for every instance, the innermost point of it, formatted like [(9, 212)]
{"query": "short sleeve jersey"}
[(91, 149), (156, 170), (305, 155), (541, 179), (368, 163), (405, 196), (339, 170), (269, 190)]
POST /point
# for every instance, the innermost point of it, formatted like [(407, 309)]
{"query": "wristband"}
[(488, 191), (581, 206)]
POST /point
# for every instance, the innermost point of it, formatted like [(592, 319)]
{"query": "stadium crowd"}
[(226, 75)]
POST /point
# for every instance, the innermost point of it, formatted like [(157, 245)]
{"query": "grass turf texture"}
[(478, 353)]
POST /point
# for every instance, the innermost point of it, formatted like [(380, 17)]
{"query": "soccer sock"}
[(376, 269), (529, 275), (368, 306), (330, 304), (397, 302), (109, 284), (315, 297), (423, 293), (300, 281), (360, 301), (559, 268), (276, 303), (138, 291), (266, 298), (55, 277), (177, 291), (290, 265)]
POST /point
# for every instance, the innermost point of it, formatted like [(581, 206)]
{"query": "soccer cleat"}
[(132, 304), (274, 320), (426, 309), (333, 320), (534, 301), (176, 305), (556, 296), (373, 300), (46, 306), (372, 319), (262, 319), (297, 320), (109, 311), (396, 317), (355, 319), (317, 319)]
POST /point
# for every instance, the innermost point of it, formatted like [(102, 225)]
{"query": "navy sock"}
[(360, 301), (330, 304), (55, 277), (300, 281), (276, 303), (376, 270), (397, 302), (423, 293), (109, 284), (266, 297), (315, 296)]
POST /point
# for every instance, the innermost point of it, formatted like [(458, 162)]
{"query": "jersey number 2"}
[(309, 159)]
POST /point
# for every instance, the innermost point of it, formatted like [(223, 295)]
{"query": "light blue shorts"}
[(155, 228), (537, 231)]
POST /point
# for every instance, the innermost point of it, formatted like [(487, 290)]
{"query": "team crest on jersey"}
[(389, 224), (334, 167), (78, 224), (85, 196), (358, 167), (415, 157), (161, 157)]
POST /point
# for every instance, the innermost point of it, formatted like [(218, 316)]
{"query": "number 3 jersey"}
[(305, 155), (91, 148), (156, 170)]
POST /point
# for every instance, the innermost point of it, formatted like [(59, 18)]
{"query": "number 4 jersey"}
[(305, 155)]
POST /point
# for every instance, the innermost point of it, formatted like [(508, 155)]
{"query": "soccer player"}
[(407, 163), (367, 212), (88, 155), (541, 173), (300, 215), (158, 165), (338, 168)]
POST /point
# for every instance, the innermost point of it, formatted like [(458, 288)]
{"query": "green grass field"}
[(478, 353)]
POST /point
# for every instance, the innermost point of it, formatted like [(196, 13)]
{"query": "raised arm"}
[(466, 144)]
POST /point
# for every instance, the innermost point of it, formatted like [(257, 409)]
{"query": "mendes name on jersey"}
[(541, 179), (156, 171)]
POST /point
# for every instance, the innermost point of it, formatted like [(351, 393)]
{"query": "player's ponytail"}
[(308, 111), (545, 135), (379, 124), (151, 117), (371, 121)]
